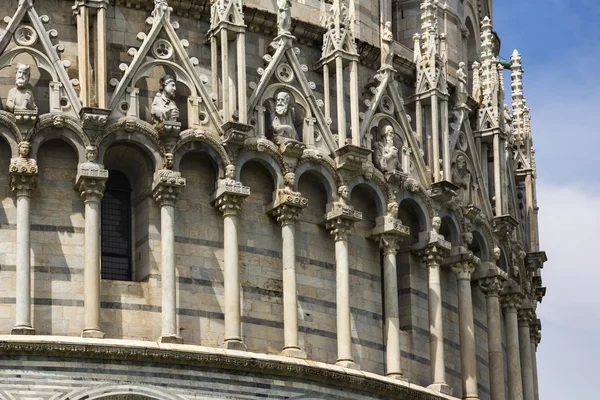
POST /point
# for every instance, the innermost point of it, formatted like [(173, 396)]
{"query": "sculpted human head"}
[(24, 149), (230, 171), (469, 237), (461, 163), (392, 209), (289, 179), (282, 102), (91, 152), (168, 86), (343, 192), (22, 75), (388, 133), (496, 253), (436, 223), (169, 160)]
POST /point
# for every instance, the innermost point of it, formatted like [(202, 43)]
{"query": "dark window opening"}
[(116, 228)]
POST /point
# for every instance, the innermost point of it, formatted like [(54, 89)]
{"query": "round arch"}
[(451, 227), (197, 146), (264, 159), (10, 132), (139, 140), (69, 132), (481, 243), (376, 192), (114, 392), (419, 206), (321, 173)]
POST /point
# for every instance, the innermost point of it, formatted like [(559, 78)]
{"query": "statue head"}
[(22, 75), (289, 179), (388, 134), (91, 153), (230, 171), (343, 193), (282, 103), (169, 160), (168, 86), (388, 25), (469, 237), (496, 253), (24, 149), (392, 209), (461, 163), (436, 223)]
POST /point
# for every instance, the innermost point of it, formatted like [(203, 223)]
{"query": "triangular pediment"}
[(285, 72), (387, 99), (162, 47), (27, 29), (230, 13)]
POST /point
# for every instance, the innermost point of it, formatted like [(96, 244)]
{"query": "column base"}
[(234, 345), (92, 334), (293, 352), (441, 387), (22, 330), (347, 364), (171, 339), (396, 376)]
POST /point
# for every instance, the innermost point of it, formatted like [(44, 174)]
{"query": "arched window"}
[(116, 228)]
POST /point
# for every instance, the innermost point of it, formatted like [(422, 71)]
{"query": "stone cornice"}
[(126, 350)]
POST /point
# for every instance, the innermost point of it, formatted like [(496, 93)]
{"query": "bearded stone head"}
[(168, 85), (282, 102), (22, 75)]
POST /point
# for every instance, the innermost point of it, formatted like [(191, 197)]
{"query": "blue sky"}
[(560, 44)]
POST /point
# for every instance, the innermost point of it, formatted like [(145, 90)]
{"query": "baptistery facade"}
[(281, 199)]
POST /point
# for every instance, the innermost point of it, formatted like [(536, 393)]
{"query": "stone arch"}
[(378, 194), (181, 74), (266, 160), (67, 130), (116, 392), (503, 262), (10, 132), (451, 227), (480, 247), (321, 173), (412, 214), (138, 139), (217, 154), (424, 212), (379, 120)]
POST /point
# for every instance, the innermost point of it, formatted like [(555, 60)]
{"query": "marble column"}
[(90, 184), (339, 222), (228, 199), (535, 341), (393, 368), (23, 181), (432, 257), (468, 360), (525, 315), (492, 286), (510, 303), (287, 214), (166, 188)]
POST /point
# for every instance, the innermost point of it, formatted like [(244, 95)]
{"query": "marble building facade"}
[(226, 199)]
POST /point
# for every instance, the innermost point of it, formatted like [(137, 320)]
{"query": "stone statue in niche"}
[(385, 154), (289, 180), (436, 224), (461, 85), (461, 177), (21, 97), (283, 115), (284, 16), (164, 108), (387, 43)]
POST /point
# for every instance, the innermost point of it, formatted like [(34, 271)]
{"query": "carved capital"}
[(511, 301), (286, 214), (340, 228), (389, 243), (91, 188), (23, 184), (433, 255), (167, 186), (491, 286), (464, 270), (525, 316)]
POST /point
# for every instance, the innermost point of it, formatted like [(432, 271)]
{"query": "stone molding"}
[(167, 186), (180, 355)]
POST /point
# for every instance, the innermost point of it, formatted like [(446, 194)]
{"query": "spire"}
[(430, 50), (339, 19)]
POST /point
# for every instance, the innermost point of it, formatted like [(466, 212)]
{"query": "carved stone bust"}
[(21, 97), (385, 154), (283, 118), (164, 108)]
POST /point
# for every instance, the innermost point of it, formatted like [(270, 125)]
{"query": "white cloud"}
[(569, 219)]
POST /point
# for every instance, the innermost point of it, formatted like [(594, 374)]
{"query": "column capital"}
[(167, 186), (491, 285), (340, 228), (433, 255), (525, 316), (389, 243), (286, 214), (464, 270), (90, 181), (287, 205), (23, 175), (511, 301), (340, 218), (229, 196)]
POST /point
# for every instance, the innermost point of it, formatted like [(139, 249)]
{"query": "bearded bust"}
[(283, 118), (21, 97), (164, 108)]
